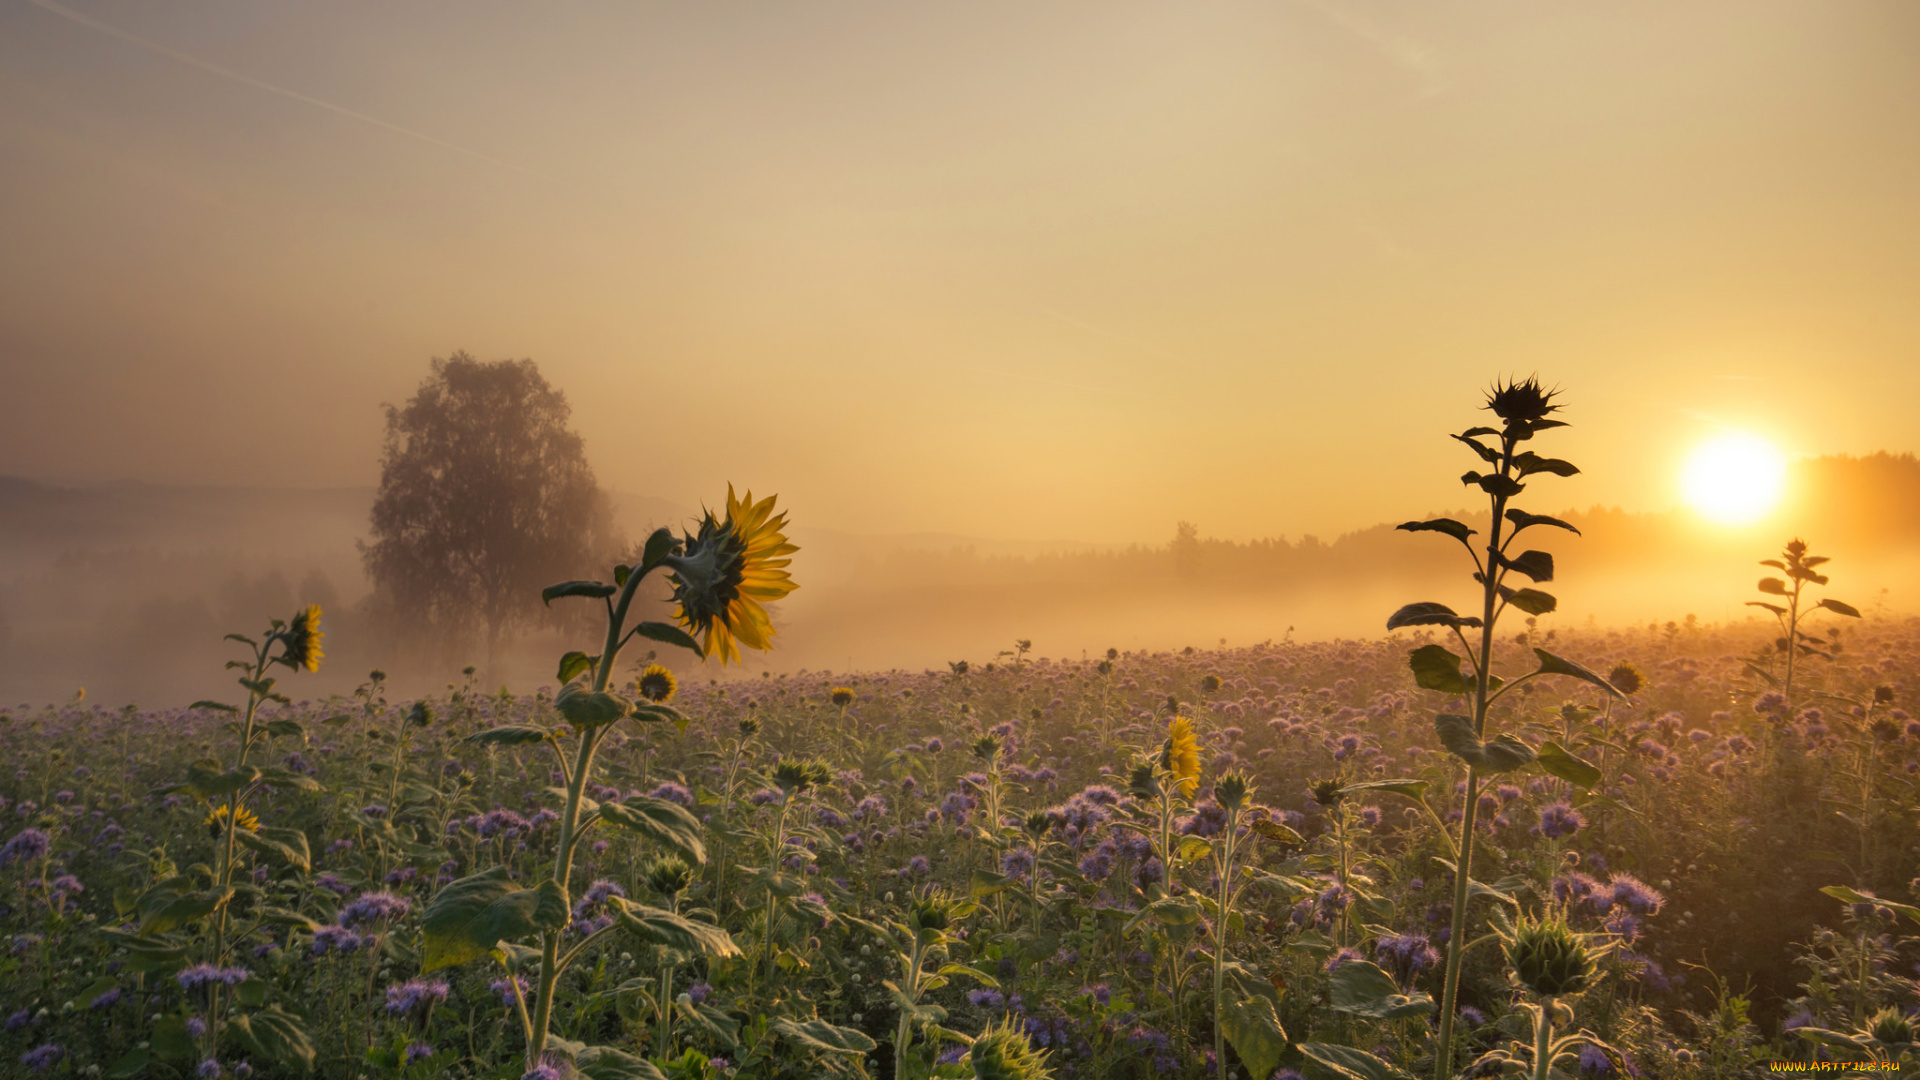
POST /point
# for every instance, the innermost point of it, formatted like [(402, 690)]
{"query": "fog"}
[(127, 589)]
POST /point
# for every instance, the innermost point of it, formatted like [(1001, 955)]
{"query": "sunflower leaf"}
[(1537, 565), (1521, 519), (510, 735), (1429, 613), (594, 589), (573, 663), (1554, 665), (669, 634), (1458, 530), (1435, 668)]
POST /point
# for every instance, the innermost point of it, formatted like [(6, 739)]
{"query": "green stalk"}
[(1543, 1040), (905, 1030), (665, 1039), (550, 966), (773, 867), (1490, 575), (1223, 907)]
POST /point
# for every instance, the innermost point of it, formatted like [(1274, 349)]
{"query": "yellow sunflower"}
[(656, 683), (302, 640), (1181, 755), (217, 820), (728, 571)]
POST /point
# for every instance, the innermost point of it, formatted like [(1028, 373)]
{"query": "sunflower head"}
[(930, 912), (1626, 678), (843, 696), (669, 875), (727, 571), (1144, 782), (1180, 755), (656, 683), (1521, 401), (300, 640), (1003, 1052), (217, 821), (1233, 791), (421, 715), (986, 748), (795, 775), (1548, 958), (1329, 792)]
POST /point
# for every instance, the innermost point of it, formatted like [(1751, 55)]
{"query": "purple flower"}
[(1635, 894), (1594, 1061), (416, 996), (209, 1069), (417, 1051), (986, 999), (503, 988), (106, 1000), (200, 975), (335, 939), (1560, 819), (1406, 955), (699, 992), (375, 907), (26, 846), (1344, 956), (1017, 863), (19, 1019), (42, 1057), (542, 1072), (672, 792)]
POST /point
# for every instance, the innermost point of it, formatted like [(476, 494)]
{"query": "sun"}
[(1734, 479)]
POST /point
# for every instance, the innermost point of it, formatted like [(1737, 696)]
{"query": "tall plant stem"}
[(905, 1030), (1543, 1040), (1463, 870), (582, 765), (1223, 909)]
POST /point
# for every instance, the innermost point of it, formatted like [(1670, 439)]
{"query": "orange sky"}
[(1020, 270)]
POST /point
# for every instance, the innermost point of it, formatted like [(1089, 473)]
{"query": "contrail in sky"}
[(246, 80)]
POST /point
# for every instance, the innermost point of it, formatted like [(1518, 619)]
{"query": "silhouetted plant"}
[(1524, 408), (1794, 642)]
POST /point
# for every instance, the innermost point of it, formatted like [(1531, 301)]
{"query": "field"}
[(941, 853)]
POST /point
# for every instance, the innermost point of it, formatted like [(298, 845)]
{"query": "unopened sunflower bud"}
[(1549, 958)]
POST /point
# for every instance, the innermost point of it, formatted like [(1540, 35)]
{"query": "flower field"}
[(1109, 867)]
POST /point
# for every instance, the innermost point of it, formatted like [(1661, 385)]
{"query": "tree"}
[(485, 497)]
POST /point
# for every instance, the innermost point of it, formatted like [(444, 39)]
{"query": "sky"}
[(1042, 271)]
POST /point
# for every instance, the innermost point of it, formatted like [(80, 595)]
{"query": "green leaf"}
[(586, 708), (970, 972), (218, 706), (823, 1037), (1839, 608), (1254, 1029), (1351, 1064), (148, 956), (1537, 565), (1773, 586), (607, 1063), (1436, 668), (1277, 832), (134, 1063), (510, 735), (272, 1035), (1487, 453), (279, 777), (659, 545), (171, 1039), (252, 993), (1531, 601), (985, 883), (290, 845), (1503, 753), (1830, 1038), (1775, 608), (1521, 519), (1428, 613), (280, 729), (465, 920), (1852, 896), (181, 909), (656, 926), (595, 589), (1495, 484), (653, 713), (1529, 463), (206, 779), (1456, 529), (669, 634), (1554, 665), (1412, 789), (573, 663), (1557, 760), (1365, 989), (665, 823)]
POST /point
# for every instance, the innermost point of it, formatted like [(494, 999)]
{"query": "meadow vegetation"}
[(1467, 848)]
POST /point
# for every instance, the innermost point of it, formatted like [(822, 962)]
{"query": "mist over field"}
[(126, 589)]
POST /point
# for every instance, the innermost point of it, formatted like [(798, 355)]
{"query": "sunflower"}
[(656, 683), (217, 820), (302, 640), (1181, 755), (728, 571), (843, 696), (1522, 400)]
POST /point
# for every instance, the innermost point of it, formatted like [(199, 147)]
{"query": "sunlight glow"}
[(1734, 478)]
